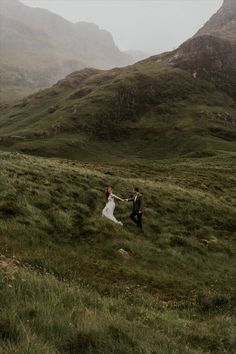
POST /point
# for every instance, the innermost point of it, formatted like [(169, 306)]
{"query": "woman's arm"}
[(118, 198)]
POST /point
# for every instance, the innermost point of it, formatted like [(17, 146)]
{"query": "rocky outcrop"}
[(211, 58), (223, 23), (211, 53)]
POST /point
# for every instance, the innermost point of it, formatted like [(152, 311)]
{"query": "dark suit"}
[(137, 212)]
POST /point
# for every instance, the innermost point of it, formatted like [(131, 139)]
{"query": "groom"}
[(137, 212)]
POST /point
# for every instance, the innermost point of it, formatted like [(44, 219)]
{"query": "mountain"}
[(210, 58), (172, 104), (223, 23), (211, 52), (38, 48)]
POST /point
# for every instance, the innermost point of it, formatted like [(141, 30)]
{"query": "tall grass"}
[(64, 287)]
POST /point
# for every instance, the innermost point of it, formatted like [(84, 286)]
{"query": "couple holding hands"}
[(137, 212)]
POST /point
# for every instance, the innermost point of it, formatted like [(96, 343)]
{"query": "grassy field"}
[(64, 287)]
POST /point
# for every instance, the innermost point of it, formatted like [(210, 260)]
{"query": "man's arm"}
[(129, 200)]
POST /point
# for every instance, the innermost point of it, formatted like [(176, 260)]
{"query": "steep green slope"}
[(64, 288), (152, 109)]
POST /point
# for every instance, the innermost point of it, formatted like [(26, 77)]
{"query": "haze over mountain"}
[(174, 103), (153, 27), (39, 47), (137, 55)]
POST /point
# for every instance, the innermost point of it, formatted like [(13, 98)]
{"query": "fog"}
[(151, 26)]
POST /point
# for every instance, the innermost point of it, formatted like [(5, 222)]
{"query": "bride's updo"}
[(108, 191)]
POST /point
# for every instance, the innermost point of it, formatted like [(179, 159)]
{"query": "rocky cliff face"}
[(211, 53), (209, 58), (223, 23), (38, 47)]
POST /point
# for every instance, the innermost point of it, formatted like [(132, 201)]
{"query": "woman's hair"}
[(107, 193)]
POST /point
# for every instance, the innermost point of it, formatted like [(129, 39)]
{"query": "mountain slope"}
[(172, 104), (38, 47), (210, 58), (223, 23), (152, 109)]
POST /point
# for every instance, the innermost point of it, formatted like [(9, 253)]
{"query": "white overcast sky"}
[(152, 26)]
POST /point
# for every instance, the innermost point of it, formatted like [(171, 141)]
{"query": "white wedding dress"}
[(108, 211)]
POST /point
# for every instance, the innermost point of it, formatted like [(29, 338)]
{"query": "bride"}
[(108, 211)]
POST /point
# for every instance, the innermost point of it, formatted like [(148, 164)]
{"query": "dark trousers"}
[(137, 218)]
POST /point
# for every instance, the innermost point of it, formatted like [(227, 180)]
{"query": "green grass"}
[(64, 287), (149, 110)]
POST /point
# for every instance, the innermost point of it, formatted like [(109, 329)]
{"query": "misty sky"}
[(152, 26)]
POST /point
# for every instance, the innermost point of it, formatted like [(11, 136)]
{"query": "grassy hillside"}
[(152, 109), (64, 288)]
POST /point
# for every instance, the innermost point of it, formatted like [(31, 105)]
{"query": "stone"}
[(124, 253)]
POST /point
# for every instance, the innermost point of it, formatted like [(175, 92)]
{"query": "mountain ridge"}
[(39, 48), (223, 23)]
